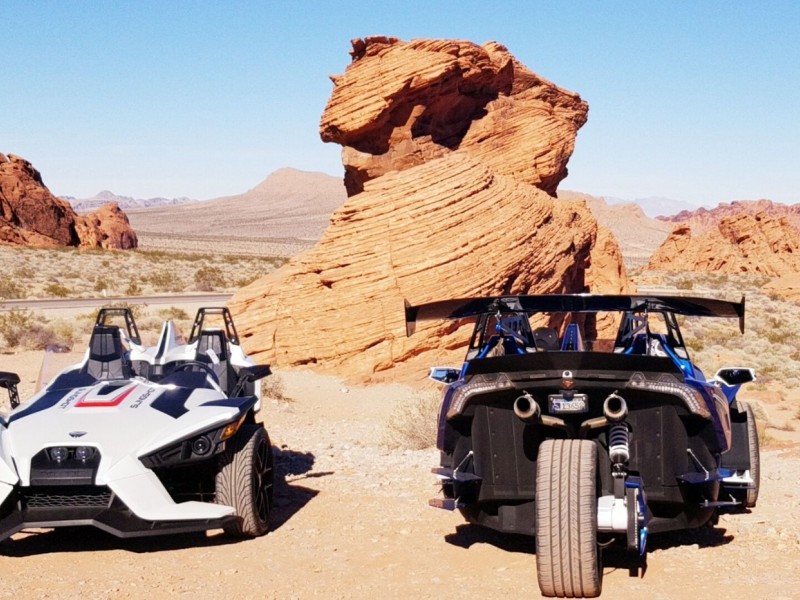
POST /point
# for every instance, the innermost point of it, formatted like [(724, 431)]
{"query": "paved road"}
[(73, 303)]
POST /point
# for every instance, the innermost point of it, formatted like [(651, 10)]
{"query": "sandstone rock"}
[(743, 243), (451, 151), (31, 215), (401, 104)]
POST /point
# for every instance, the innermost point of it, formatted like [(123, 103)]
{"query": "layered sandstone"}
[(451, 154), (31, 216), (743, 243)]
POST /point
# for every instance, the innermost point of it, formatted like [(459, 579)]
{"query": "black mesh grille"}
[(67, 497)]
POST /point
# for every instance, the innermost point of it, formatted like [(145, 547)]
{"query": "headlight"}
[(59, 453), (84, 453), (201, 445)]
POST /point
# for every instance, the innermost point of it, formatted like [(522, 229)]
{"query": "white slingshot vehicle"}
[(141, 441)]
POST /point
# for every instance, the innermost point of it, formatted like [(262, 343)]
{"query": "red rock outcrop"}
[(756, 244), (31, 216), (401, 104), (451, 153), (704, 219)]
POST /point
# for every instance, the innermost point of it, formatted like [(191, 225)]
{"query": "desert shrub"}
[(10, 289), (12, 325), (413, 425), (133, 289), (100, 284), (65, 333), (273, 388), (166, 281), (684, 284), (24, 272), (173, 313), (57, 290), (208, 279), (37, 337)]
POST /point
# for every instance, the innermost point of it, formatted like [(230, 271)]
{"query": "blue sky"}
[(694, 101)]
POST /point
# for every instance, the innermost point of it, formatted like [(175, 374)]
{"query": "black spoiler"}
[(464, 308)]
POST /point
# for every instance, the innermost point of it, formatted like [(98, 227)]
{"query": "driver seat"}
[(106, 354), (215, 340)]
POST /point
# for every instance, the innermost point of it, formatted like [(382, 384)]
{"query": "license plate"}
[(578, 403)]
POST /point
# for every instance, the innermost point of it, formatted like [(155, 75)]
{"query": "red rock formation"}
[(745, 243), (31, 216), (451, 151), (704, 219), (401, 104)]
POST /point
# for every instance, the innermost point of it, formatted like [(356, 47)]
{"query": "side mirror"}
[(444, 374), (9, 381), (732, 376)]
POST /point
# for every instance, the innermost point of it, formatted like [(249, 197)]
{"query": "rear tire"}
[(567, 555), (245, 481), (751, 495)]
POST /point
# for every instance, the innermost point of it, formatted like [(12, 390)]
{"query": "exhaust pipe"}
[(615, 408), (525, 408)]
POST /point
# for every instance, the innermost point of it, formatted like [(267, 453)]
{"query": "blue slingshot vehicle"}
[(551, 431)]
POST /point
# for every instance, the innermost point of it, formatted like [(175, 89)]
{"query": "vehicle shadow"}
[(614, 557), (289, 499), (466, 535)]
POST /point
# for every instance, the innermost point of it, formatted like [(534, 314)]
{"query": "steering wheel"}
[(196, 363)]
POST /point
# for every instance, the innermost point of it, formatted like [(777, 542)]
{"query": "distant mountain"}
[(288, 204), (85, 205), (637, 234), (704, 219), (654, 206)]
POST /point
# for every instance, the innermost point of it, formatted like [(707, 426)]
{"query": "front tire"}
[(567, 555), (245, 481)]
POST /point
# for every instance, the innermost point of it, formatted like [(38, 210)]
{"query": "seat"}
[(546, 338), (107, 358), (215, 340)]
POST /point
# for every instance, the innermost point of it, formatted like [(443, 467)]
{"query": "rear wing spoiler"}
[(464, 308)]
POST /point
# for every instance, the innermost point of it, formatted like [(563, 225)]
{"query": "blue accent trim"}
[(48, 400), (172, 402)]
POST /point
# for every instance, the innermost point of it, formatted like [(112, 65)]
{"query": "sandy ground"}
[(351, 521)]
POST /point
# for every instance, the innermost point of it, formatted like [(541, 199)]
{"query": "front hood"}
[(122, 419)]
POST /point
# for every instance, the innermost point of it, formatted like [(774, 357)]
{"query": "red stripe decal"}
[(115, 402)]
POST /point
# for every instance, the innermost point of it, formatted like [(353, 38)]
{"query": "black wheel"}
[(567, 555), (245, 481), (751, 496)]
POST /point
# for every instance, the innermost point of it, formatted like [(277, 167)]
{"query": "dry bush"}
[(208, 279), (413, 425), (10, 289), (48, 272), (273, 388)]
